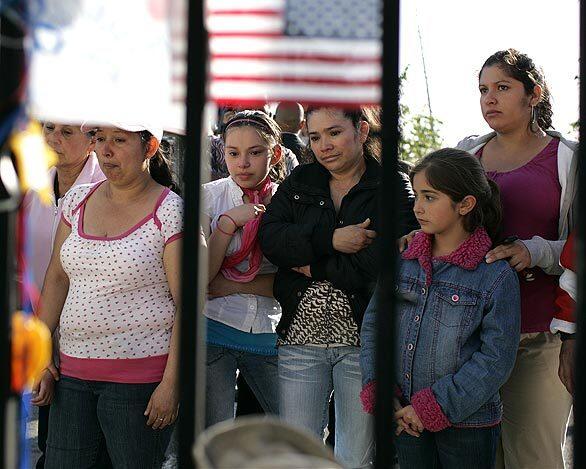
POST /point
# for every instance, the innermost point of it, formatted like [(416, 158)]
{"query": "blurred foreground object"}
[(33, 160), (119, 61), (260, 443), (31, 350)]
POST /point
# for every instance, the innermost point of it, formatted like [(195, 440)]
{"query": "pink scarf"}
[(250, 246)]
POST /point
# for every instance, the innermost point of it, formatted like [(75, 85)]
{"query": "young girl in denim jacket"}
[(457, 321)]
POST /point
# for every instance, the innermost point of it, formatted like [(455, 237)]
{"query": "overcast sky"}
[(458, 35)]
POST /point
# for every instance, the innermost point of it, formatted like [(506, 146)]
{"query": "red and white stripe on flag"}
[(326, 51)]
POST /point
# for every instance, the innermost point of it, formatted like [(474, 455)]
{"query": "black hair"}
[(520, 67), (268, 130), (404, 166), (458, 174), (160, 166), (370, 114)]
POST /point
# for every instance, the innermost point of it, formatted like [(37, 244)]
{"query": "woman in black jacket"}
[(320, 230)]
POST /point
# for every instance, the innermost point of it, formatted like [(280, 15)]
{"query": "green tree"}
[(575, 126), (418, 133), (421, 137)]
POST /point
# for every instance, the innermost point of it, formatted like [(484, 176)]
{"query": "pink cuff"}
[(429, 411), (368, 398)]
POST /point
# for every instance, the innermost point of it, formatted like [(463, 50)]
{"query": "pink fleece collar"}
[(468, 255)]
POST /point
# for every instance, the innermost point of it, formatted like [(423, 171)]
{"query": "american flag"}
[(177, 22), (312, 51)]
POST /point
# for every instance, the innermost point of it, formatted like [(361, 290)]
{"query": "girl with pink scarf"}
[(241, 312)]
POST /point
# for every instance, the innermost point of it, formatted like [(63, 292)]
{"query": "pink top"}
[(41, 224), (530, 196), (117, 319)]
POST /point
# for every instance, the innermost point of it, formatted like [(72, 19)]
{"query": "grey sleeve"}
[(545, 254)]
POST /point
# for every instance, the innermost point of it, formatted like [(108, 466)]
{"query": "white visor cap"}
[(155, 130)]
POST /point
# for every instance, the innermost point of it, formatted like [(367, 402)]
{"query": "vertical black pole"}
[(388, 207), (12, 64), (9, 404), (4, 343), (196, 60), (580, 359)]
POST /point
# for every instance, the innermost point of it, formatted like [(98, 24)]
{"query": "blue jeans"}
[(452, 448), (259, 371), (308, 375), (90, 417)]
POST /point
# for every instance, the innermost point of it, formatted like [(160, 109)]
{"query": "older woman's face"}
[(335, 142), (71, 144)]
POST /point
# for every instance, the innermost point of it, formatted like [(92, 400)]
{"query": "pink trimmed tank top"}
[(117, 319), (530, 197)]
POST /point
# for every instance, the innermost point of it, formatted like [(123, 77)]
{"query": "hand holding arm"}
[(353, 238)]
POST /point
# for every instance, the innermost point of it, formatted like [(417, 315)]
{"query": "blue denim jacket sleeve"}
[(368, 340), (462, 393)]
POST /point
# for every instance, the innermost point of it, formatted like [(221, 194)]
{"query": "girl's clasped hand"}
[(407, 420)]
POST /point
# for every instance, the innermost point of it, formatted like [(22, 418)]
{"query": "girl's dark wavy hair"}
[(457, 174), (520, 67), (370, 114), (160, 164), (269, 131)]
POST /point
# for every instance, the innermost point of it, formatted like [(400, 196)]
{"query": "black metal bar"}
[(4, 344), (12, 64), (580, 388), (195, 82), (388, 214), (9, 447)]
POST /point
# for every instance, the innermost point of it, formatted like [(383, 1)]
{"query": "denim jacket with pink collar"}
[(458, 327)]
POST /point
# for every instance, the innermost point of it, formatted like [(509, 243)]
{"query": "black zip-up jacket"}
[(298, 227)]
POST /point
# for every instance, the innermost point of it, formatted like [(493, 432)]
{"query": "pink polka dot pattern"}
[(119, 305)]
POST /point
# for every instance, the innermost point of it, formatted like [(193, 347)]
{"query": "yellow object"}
[(33, 158), (31, 350)]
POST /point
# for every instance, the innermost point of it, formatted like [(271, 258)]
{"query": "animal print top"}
[(324, 317)]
